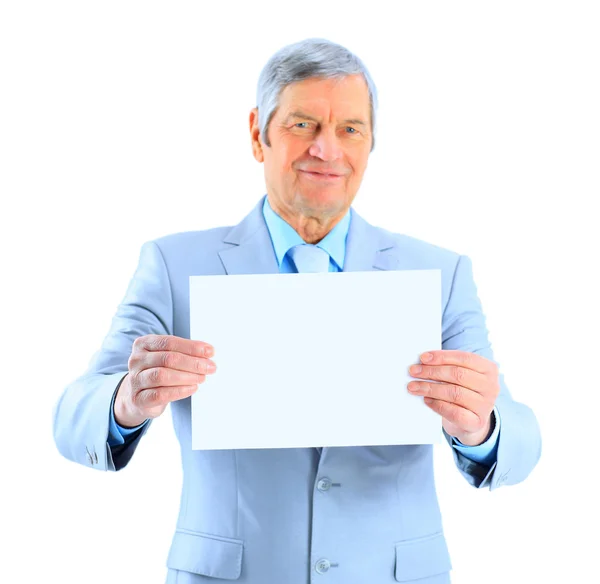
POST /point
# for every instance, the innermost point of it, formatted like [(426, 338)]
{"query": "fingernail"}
[(211, 368), (209, 351), (425, 357), (416, 369)]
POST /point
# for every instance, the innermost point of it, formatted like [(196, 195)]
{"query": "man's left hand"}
[(465, 396)]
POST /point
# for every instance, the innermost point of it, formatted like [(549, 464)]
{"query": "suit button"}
[(324, 484), (322, 566)]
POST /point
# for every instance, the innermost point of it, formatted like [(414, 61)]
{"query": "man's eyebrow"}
[(300, 114)]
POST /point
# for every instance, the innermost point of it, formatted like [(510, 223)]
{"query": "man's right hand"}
[(162, 369)]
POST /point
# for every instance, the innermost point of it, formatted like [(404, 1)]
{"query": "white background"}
[(121, 122)]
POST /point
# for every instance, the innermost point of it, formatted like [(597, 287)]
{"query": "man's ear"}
[(257, 143)]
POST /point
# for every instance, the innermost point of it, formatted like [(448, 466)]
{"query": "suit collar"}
[(252, 249)]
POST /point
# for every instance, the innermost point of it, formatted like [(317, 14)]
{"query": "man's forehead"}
[(346, 98)]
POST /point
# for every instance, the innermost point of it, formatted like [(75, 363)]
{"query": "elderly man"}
[(273, 516)]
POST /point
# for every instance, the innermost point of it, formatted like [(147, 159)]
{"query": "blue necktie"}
[(310, 258)]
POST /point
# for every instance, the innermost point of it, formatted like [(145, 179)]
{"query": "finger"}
[(160, 396), (172, 343), (163, 377), (461, 358), (465, 419), (448, 392), (451, 374), (176, 361)]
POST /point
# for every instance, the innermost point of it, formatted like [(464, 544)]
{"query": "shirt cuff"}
[(116, 433), (484, 453)]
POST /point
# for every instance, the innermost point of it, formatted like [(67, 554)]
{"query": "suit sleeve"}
[(81, 416), (519, 442)]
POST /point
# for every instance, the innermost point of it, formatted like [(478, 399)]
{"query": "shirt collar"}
[(284, 236)]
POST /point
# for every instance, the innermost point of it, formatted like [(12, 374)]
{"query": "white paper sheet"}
[(314, 359)]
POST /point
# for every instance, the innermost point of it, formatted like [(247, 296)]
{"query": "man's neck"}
[(311, 228)]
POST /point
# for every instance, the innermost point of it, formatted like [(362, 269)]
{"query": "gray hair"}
[(314, 57)]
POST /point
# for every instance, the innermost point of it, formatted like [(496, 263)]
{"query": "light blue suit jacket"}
[(270, 516), (284, 237)]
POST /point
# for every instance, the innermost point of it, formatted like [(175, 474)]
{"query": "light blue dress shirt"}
[(284, 237)]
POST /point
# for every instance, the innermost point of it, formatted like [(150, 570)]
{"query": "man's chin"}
[(324, 199)]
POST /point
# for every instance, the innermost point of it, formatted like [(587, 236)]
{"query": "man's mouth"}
[(321, 176)]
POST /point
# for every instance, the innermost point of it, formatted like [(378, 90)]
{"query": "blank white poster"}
[(314, 359)]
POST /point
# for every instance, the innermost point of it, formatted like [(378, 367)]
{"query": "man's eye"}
[(351, 128), (300, 123)]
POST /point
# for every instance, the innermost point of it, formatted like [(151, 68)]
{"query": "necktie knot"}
[(309, 258)]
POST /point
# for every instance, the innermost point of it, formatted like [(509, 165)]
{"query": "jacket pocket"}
[(208, 555), (421, 558)]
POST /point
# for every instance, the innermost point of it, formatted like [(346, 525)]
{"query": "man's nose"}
[(326, 145)]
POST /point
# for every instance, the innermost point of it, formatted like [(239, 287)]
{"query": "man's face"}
[(321, 127)]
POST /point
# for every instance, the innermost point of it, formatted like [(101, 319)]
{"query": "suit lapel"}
[(252, 251), (367, 247)]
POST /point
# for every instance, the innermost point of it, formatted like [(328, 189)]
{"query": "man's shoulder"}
[(206, 238), (409, 246)]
